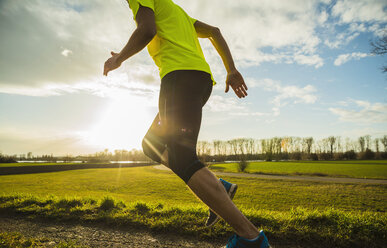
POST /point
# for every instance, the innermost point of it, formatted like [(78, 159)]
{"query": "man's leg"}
[(208, 188), (182, 96)]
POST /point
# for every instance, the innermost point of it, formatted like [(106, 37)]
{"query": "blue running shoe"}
[(238, 242), (231, 189)]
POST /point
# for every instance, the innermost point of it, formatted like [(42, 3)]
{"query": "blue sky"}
[(307, 64)]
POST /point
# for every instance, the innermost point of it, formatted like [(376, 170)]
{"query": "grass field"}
[(307, 228), (357, 168), (348, 215), (151, 185)]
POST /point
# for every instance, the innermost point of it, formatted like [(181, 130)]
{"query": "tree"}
[(332, 141), (285, 144), (384, 142), (376, 144), (277, 145), (241, 145), (339, 147), (308, 141), (361, 143), (379, 47), (202, 147), (216, 145), (250, 146), (368, 141), (233, 145)]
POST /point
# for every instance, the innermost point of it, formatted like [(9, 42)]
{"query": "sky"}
[(307, 64)]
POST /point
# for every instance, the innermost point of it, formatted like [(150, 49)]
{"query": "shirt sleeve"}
[(134, 5), (193, 20)]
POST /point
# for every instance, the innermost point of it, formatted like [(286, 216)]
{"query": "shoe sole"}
[(231, 194)]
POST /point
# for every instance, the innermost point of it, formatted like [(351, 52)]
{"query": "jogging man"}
[(171, 37)]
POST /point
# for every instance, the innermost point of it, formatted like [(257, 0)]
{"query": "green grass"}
[(151, 185), (16, 240), (376, 169), (311, 228), (316, 214)]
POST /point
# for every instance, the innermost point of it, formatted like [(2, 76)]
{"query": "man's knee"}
[(182, 160)]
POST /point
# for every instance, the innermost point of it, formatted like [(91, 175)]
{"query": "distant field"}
[(31, 164), (151, 185), (358, 168), (54, 164)]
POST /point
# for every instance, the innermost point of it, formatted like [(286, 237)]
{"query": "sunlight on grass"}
[(359, 169), (329, 227)]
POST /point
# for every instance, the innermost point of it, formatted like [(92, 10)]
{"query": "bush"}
[(383, 155), (242, 165), (368, 154), (268, 156), (324, 156), (350, 155), (313, 156), (285, 155), (296, 155), (339, 156), (7, 159)]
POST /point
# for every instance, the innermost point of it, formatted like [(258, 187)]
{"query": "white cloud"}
[(249, 113), (344, 58), (366, 112), (250, 26), (286, 93), (66, 52), (360, 10), (52, 32), (351, 18), (114, 85), (341, 39), (46, 33), (323, 17), (357, 132), (218, 103), (314, 60)]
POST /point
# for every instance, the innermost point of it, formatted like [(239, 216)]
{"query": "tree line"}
[(276, 148), (294, 148), (98, 157)]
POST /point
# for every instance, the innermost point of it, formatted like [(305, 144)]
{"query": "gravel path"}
[(305, 178), (289, 177), (98, 235)]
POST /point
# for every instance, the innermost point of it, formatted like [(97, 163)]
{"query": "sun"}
[(123, 124)]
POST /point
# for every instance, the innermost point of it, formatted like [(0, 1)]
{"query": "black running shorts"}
[(172, 137)]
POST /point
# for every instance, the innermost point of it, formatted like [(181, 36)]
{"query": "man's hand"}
[(111, 64), (235, 80)]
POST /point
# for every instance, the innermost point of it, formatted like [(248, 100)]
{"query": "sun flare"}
[(123, 124)]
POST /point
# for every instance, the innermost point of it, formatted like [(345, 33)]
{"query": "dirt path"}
[(289, 177), (98, 236)]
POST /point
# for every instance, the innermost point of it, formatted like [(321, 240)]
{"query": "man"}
[(171, 37)]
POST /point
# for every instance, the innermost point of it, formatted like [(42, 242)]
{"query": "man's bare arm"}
[(144, 33), (234, 78)]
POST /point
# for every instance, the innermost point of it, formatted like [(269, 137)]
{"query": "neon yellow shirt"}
[(176, 45)]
